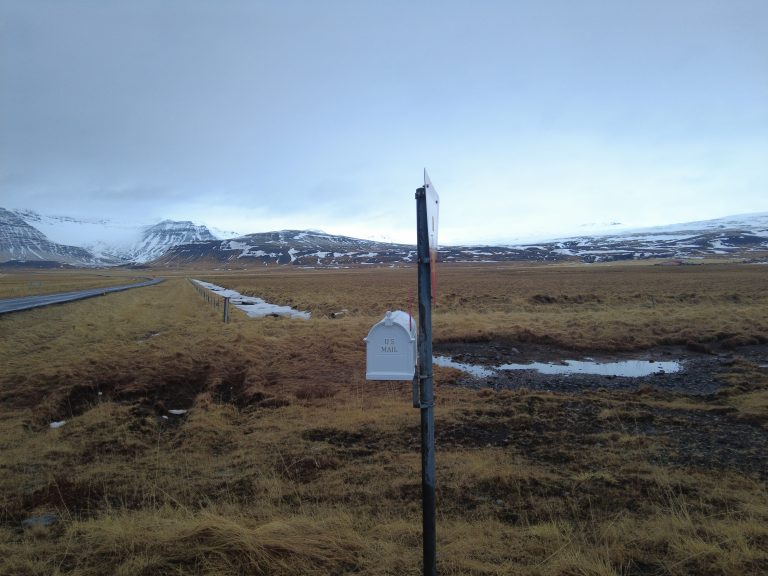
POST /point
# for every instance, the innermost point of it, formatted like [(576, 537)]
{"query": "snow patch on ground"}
[(253, 307)]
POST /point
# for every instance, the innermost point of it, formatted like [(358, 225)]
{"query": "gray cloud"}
[(144, 107)]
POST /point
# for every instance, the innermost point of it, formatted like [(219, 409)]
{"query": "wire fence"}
[(215, 301)]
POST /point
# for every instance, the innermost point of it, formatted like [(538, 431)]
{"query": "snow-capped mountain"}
[(756, 222), (173, 243), (23, 243), (109, 242), (158, 239), (737, 236), (732, 235), (304, 247)]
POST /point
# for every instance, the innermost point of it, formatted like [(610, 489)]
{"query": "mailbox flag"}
[(433, 219)]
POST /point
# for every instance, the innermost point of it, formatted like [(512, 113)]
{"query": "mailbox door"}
[(389, 353)]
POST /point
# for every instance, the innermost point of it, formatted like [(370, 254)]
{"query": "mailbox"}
[(391, 348)]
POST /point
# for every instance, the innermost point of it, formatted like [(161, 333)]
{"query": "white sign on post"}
[(391, 348), (433, 219), (433, 210)]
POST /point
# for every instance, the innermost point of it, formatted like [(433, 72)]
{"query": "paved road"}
[(17, 304)]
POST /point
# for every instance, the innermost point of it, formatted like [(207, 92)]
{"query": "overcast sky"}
[(533, 117)]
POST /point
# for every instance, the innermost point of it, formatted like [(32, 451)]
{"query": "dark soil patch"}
[(306, 469), (497, 352), (565, 298), (569, 433), (60, 494), (553, 431), (233, 387), (166, 387), (706, 439), (363, 443), (696, 378), (236, 387), (179, 388), (80, 399)]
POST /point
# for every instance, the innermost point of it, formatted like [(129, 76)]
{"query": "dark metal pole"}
[(226, 310), (426, 395)]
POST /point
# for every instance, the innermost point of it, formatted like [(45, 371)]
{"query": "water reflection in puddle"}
[(476, 371), (625, 368)]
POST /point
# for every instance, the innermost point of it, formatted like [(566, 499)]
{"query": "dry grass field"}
[(288, 462)]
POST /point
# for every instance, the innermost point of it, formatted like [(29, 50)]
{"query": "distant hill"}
[(742, 236), (27, 236)]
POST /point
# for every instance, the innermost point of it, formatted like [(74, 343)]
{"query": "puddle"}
[(57, 424), (44, 520), (253, 307), (476, 371), (625, 368)]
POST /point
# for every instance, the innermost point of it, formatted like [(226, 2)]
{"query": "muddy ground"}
[(699, 374), (713, 435)]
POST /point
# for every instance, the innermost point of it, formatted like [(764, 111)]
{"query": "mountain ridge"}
[(21, 242), (711, 238), (171, 243), (113, 243)]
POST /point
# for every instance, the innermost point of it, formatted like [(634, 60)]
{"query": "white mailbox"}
[(391, 348)]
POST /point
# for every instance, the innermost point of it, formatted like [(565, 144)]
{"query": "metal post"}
[(426, 395), (226, 310)]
